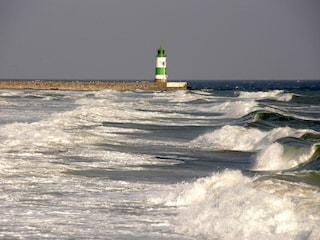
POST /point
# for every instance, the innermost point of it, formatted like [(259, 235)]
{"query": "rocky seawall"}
[(89, 85)]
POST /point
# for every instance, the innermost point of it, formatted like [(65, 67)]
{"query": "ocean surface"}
[(222, 160)]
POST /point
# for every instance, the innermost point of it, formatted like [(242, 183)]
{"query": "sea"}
[(221, 160)]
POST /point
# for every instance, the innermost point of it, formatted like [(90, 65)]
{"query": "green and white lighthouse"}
[(161, 66)]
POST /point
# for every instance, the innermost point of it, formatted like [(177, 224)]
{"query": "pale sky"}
[(118, 39)]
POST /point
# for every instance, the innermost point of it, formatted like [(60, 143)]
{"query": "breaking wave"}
[(278, 95), (229, 205), (280, 156), (279, 149), (238, 138)]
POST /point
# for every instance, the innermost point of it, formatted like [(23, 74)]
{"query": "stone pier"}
[(91, 85)]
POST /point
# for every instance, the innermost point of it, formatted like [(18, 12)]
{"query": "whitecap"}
[(229, 205)]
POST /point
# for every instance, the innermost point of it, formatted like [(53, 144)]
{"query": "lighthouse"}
[(161, 66)]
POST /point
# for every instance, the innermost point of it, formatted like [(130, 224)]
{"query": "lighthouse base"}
[(161, 80), (177, 85)]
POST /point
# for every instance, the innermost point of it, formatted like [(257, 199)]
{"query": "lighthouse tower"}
[(161, 66)]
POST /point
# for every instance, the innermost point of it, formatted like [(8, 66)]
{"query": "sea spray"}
[(279, 95), (237, 138), (281, 157), (229, 205), (234, 109)]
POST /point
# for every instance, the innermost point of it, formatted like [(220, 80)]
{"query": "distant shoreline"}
[(94, 85)]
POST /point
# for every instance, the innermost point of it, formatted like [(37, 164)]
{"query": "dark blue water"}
[(257, 85)]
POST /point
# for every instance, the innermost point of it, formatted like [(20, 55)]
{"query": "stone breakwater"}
[(90, 85)]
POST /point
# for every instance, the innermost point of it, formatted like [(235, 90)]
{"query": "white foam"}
[(11, 93), (239, 138), (276, 157), (279, 95), (234, 109), (229, 205), (3, 103), (109, 106), (230, 138), (32, 136)]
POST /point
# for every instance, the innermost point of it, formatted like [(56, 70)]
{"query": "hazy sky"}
[(118, 39)]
